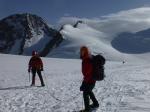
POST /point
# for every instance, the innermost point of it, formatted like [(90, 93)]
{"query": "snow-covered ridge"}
[(74, 38)]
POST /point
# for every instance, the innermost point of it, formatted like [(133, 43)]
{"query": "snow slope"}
[(96, 41), (125, 89)]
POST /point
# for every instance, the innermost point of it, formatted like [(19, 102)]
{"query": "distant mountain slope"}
[(133, 43), (22, 33)]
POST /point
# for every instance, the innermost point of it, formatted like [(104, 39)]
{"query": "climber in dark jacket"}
[(36, 66)]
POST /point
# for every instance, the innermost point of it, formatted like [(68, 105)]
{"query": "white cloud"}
[(124, 21)]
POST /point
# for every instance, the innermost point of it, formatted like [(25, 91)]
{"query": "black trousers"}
[(34, 71), (88, 94)]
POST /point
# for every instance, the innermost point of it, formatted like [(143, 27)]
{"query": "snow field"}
[(125, 89)]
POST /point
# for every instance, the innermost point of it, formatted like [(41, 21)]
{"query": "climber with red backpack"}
[(36, 66), (92, 72)]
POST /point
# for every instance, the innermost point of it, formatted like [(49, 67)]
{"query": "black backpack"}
[(98, 62)]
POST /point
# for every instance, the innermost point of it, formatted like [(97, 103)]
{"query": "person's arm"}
[(29, 65), (87, 70), (41, 63)]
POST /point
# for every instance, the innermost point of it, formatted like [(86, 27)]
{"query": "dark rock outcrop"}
[(22, 33)]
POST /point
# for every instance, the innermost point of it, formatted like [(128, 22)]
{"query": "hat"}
[(34, 53), (84, 52)]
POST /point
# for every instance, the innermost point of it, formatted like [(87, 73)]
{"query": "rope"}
[(48, 88)]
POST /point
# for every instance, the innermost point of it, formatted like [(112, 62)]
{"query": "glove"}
[(29, 70), (41, 69), (82, 86)]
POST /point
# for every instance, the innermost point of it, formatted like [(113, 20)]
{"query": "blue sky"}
[(53, 10)]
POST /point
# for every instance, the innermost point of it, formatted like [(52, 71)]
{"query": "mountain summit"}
[(22, 33)]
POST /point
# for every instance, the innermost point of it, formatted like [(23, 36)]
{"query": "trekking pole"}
[(29, 77), (45, 79), (82, 100), (82, 103)]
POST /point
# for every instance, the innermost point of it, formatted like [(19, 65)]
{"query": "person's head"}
[(84, 52), (34, 53)]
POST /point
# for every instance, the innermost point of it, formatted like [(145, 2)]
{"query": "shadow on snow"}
[(16, 87)]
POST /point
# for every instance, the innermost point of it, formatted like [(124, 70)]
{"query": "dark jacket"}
[(35, 63)]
